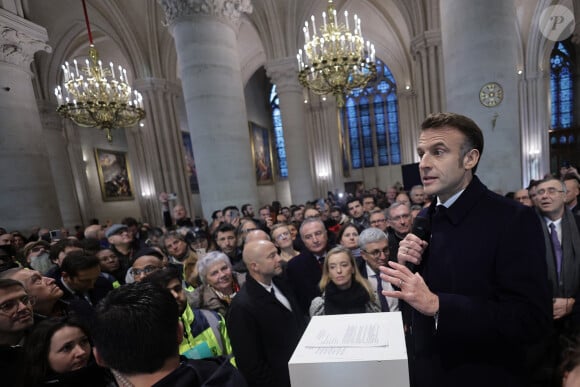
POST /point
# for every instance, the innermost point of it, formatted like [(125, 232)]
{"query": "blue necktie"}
[(383, 299), (557, 248)]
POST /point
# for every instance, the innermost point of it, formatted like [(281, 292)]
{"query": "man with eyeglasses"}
[(399, 220), (16, 318), (562, 238), (378, 219), (44, 289), (121, 241), (374, 247)]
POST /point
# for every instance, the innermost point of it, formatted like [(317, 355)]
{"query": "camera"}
[(172, 196)]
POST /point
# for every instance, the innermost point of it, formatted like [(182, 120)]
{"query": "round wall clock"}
[(491, 94)]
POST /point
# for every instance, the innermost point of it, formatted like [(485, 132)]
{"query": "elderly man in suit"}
[(264, 321), (480, 293), (305, 270)]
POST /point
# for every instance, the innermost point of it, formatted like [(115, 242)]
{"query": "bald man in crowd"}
[(263, 309)]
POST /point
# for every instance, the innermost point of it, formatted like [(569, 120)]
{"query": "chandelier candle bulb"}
[(76, 67), (313, 26), (112, 69), (324, 20), (346, 20)]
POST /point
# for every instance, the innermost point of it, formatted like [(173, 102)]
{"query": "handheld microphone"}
[(422, 229)]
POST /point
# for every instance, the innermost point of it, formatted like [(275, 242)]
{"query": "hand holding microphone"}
[(412, 247)]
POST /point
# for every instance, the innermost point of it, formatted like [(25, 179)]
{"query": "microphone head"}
[(421, 227)]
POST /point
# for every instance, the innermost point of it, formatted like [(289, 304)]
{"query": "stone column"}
[(28, 196), (204, 32), (159, 150), (480, 45), (57, 145), (283, 73)]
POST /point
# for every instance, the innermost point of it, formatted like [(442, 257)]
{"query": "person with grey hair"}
[(399, 220), (305, 270), (417, 195), (374, 247), (219, 283)]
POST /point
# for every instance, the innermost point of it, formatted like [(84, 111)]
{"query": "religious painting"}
[(114, 175), (261, 153), (190, 162)]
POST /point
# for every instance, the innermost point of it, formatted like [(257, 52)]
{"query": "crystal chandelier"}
[(97, 95), (335, 60)]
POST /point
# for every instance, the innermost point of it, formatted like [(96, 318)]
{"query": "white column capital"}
[(229, 11), (284, 74), (20, 39)]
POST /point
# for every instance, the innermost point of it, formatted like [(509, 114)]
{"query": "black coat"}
[(264, 333), (304, 274), (485, 261)]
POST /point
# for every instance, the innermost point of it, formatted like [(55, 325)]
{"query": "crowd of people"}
[(226, 300)]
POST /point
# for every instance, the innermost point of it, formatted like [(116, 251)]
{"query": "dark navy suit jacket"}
[(486, 263)]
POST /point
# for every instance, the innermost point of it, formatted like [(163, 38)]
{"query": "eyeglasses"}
[(550, 191), (10, 307), (378, 221), (404, 216), (284, 235), (377, 253), (247, 230), (146, 270), (36, 249)]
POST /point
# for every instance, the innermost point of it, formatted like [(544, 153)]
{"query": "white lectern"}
[(351, 350)]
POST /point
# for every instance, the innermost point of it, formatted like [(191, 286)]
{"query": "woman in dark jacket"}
[(344, 290), (58, 353)]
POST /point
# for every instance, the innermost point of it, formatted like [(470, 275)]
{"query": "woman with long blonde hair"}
[(344, 290)]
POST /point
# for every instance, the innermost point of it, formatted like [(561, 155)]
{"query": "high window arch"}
[(562, 85), (278, 134), (371, 117)]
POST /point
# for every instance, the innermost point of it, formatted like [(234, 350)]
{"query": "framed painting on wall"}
[(261, 153), (114, 175)]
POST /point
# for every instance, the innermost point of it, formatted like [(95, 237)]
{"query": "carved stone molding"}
[(20, 39), (284, 74), (229, 11)]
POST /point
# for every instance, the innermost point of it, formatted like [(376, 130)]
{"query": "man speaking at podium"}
[(479, 288)]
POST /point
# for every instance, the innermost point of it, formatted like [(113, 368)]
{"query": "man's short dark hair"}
[(366, 196), (245, 209), (61, 245), (136, 328), (224, 228), (214, 215), (229, 208), (354, 199), (129, 221), (76, 261), (472, 132), (164, 276)]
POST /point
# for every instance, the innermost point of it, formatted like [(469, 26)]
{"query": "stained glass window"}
[(561, 85), (278, 134), (371, 117)]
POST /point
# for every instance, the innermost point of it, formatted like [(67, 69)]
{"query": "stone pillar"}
[(28, 196), (160, 163), (426, 50), (283, 74), (480, 45), (60, 164), (204, 32)]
